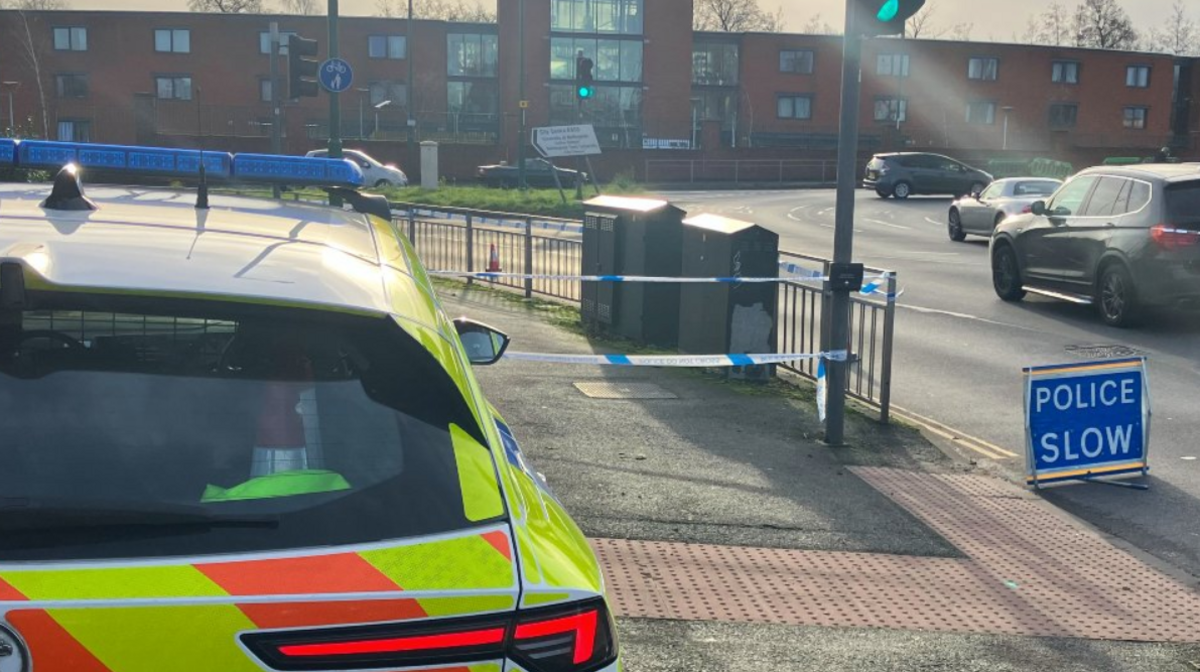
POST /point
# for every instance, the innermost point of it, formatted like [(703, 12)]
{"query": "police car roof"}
[(243, 249)]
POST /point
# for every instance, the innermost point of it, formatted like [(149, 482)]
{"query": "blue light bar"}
[(147, 160), (296, 170), (8, 152)]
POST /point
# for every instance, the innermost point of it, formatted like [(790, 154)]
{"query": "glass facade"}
[(614, 60), (715, 64), (471, 55), (596, 16)]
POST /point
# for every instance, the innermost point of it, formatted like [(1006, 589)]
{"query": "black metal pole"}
[(276, 131), (408, 84), (521, 94), (335, 109), (843, 237)]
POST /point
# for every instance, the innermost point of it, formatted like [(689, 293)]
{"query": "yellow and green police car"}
[(240, 435)]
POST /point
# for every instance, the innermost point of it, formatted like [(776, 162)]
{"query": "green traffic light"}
[(585, 92), (889, 10)]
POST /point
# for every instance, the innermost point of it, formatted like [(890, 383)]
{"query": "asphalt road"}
[(959, 352)]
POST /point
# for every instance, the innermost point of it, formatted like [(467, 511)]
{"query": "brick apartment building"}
[(662, 90)]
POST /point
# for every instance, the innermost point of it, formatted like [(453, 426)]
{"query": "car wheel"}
[(955, 227), (881, 193), (902, 190), (1006, 274), (1117, 297)]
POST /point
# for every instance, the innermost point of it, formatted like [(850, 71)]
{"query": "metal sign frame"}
[(1138, 466), (593, 148)]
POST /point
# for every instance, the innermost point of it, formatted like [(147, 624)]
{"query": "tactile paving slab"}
[(623, 390), (1030, 571)]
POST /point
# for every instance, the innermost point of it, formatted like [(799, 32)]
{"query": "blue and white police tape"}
[(484, 275), (675, 361)]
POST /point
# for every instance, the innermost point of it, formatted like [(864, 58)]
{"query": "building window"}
[(1137, 76), (478, 101), (986, 69), (173, 41), (74, 130), (613, 60), (793, 107), (471, 54), (264, 42), (265, 93), (173, 87), (891, 109), (799, 62), (715, 105), (981, 113), (394, 92), (611, 107), (596, 16), (1065, 72), (70, 39), (387, 46), (1135, 117), (715, 64), (1063, 116), (891, 65), (71, 86)]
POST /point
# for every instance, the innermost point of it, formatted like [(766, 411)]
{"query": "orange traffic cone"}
[(280, 444), (494, 260)]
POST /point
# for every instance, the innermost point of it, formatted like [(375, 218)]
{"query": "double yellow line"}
[(984, 448)]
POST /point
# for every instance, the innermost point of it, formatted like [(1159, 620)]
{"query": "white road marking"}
[(933, 222), (894, 226)]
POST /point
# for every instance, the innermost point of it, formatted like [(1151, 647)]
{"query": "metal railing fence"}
[(737, 171), (456, 239)]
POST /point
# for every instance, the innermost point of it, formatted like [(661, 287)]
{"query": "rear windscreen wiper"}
[(29, 513)]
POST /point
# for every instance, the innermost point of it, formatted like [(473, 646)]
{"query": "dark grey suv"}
[(1121, 239), (902, 175)]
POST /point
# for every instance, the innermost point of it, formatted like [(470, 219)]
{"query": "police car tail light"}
[(571, 640), (1168, 237), (383, 646)]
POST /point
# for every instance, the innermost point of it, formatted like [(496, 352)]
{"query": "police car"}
[(242, 435)]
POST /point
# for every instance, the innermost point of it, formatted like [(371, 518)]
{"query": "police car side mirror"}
[(484, 345)]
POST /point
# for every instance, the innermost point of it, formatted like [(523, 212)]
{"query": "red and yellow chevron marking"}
[(140, 637)]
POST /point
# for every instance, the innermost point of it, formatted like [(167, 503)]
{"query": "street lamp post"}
[(11, 87), (408, 85), (362, 128), (1007, 109), (380, 106)]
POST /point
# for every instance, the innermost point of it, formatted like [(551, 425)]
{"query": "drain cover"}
[(623, 390), (1102, 351)]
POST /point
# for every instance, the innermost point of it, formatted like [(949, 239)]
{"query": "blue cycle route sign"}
[(336, 75), (1087, 421)]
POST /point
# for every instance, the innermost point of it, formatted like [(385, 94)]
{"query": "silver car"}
[(979, 213)]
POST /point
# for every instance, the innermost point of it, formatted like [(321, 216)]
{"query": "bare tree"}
[(227, 6), (299, 6), (1103, 24), (735, 16), (35, 5), (818, 26), (1177, 34), (32, 51), (443, 10), (922, 25), (1053, 27), (961, 31)]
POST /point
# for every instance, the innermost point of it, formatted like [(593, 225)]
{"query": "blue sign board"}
[(1086, 421), (336, 75)]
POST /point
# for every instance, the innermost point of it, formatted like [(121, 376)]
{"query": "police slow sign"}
[(1087, 421)]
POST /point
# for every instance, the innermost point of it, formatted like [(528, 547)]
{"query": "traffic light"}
[(302, 67), (583, 78), (886, 17)]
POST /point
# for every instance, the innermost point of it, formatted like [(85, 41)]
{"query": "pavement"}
[(959, 352), (732, 540)]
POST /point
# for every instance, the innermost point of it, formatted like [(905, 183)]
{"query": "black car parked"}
[(905, 174), (1123, 239), (537, 174)]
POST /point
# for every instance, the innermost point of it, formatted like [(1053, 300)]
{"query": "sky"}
[(993, 19)]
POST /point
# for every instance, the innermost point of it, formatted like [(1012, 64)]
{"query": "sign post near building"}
[(1085, 422), (556, 142)]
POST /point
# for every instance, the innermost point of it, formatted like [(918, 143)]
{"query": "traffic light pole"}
[(335, 109), (276, 131), (843, 237), (521, 94)]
